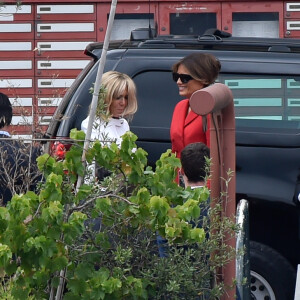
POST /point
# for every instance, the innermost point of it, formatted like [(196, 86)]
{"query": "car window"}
[(273, 99), (265, 101), (157, 96)]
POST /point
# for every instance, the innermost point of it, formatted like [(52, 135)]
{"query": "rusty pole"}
[(217, 100)]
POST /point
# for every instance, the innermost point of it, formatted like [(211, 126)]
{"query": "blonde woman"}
[(120, 104)]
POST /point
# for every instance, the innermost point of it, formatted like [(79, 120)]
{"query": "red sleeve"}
[(207, 133), (177, 126)]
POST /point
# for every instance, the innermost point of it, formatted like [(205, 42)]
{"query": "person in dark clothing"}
[(193, 162), (18, 168), (194, 171)]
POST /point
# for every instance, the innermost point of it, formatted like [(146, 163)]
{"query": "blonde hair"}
[(115, 83)]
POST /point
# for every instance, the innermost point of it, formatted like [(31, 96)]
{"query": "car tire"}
[(272, 276)]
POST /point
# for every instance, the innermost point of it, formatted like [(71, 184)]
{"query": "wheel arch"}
[(277, 226)]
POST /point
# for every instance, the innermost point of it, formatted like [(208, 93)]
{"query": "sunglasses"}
[(184, 78)]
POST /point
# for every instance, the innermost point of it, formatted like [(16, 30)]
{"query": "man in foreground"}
[(18, 169)]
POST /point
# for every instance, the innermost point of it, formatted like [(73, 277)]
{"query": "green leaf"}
[(159, 205), (74, 227), (77, 134), (59, 263), (103, 240), (20, 292), (205, 193), (19, 207), (103, 204), (134, 210), (19, 233), (71, 296), (111, 285), (4, 219), (159, 208), (5, 255), (53, 213), (189, 210), (106, 156), (83, 192), (84, 271), (100, 276), (34, 243), (55, 282), (170, 232), (197, 235), (134, 178), (11, 268), (52, 190), (48, 165), (45, 162), (73, 162), (77, 286)]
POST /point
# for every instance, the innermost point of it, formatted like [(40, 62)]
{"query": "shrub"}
[(100, 241)]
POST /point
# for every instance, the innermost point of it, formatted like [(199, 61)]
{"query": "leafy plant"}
[(100, 241)]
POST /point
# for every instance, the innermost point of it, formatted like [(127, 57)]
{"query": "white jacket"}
[(110, 131)]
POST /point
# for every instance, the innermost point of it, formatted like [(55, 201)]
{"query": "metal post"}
[(217, 100), (92, 113), (97, 86)]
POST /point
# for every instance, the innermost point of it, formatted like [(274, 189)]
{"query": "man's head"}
[(193, 161), (5, 111)]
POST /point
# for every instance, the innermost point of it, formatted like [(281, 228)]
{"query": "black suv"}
[(264, 76)]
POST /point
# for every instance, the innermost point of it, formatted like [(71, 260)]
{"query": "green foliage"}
[(101, 238), (102, 107)]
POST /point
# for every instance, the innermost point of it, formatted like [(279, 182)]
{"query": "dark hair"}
[(193, 161), (203, 67), (5, 111)]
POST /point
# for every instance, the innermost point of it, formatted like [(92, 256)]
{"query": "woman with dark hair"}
[(194, 72)]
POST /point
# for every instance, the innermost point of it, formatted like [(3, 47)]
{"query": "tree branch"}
[(99, 197)]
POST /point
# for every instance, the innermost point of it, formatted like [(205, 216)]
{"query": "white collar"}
[(117, 122), (196, 187)]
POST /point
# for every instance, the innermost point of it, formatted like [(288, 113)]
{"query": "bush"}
[(100, 241)]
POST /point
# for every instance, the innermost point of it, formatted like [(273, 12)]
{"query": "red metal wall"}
[(42, 43)]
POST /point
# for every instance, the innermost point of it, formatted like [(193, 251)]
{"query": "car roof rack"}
[(215, 39), (212, 39)]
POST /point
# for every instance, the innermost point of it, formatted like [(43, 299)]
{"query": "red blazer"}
[(187, 128)]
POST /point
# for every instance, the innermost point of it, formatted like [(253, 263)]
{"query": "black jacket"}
[(18, 168)]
